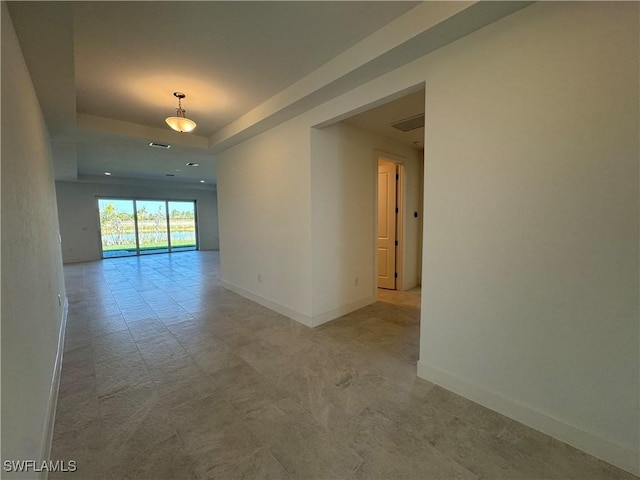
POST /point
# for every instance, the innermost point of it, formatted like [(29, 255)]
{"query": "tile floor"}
[(167, 375)]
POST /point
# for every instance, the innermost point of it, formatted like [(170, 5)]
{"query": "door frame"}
[(400, 202)]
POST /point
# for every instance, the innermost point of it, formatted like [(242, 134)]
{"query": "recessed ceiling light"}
[(192, 164), (201, 181), (160, 145), (107, 173)]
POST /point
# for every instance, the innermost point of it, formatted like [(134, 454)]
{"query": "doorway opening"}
[(395, 133), (141, 227)]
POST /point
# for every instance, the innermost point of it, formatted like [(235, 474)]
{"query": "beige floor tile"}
[(145, 329), (265, 357), (228, 445), (77, 364), (570, 462), (104, 325), (199, 421), (79, 338), (115, 374), (113, 345), (257, 464), (76, 410), (214, 357), (82, 446), (131, 419), (167, 375), (490, 457), (299, 444), (164, 460), (162, 348)]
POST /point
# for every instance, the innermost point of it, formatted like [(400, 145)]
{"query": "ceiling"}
[(105, 72), (122, 61), (227, 57), (379, 119)]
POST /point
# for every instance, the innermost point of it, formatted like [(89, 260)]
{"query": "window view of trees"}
[(119, 227), (117, 224), (182, 225), (152, 226)]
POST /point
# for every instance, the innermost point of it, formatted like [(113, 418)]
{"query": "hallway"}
[(167, 375)]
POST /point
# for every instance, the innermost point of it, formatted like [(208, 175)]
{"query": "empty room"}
[(320, 240)]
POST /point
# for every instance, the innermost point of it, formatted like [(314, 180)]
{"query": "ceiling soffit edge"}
[(421, 30), (142, 182), (149, 134)]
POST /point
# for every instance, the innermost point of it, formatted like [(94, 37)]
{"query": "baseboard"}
[(308, 320), (71, 261), (270, 304), (53, 392), (342, 310), (624, 458), (409, 285)]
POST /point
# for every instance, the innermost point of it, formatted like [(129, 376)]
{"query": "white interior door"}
[(387, 225)]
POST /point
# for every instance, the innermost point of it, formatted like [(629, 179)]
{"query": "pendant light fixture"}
[(180, 123)]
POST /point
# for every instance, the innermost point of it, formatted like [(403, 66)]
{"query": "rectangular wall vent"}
[(159, 145), (408, 124)]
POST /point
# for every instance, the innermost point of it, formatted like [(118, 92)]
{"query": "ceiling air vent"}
[(411, 123), (160, 145)]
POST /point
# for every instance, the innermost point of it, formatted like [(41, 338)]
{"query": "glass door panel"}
[(182, 225), (152, 226), (117, 227)]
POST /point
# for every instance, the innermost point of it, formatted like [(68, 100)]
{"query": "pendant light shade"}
[(180, 123)]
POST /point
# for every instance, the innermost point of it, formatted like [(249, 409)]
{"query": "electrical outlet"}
[(355, 282), (259, 278)]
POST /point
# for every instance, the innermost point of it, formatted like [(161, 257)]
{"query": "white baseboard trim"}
[(270, 304), (53, 391), (342, 310), (308, 320), (71, 261), (622, 457)]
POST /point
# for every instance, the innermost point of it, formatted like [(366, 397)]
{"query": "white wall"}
[(344, 166), (266, 190), (263, 192), (531, 222), (530, 277), (79, 222), (32, 276)]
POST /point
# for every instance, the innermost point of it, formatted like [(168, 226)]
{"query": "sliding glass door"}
[(117, 227), (153, 230), (140, 227), (182, 224)]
